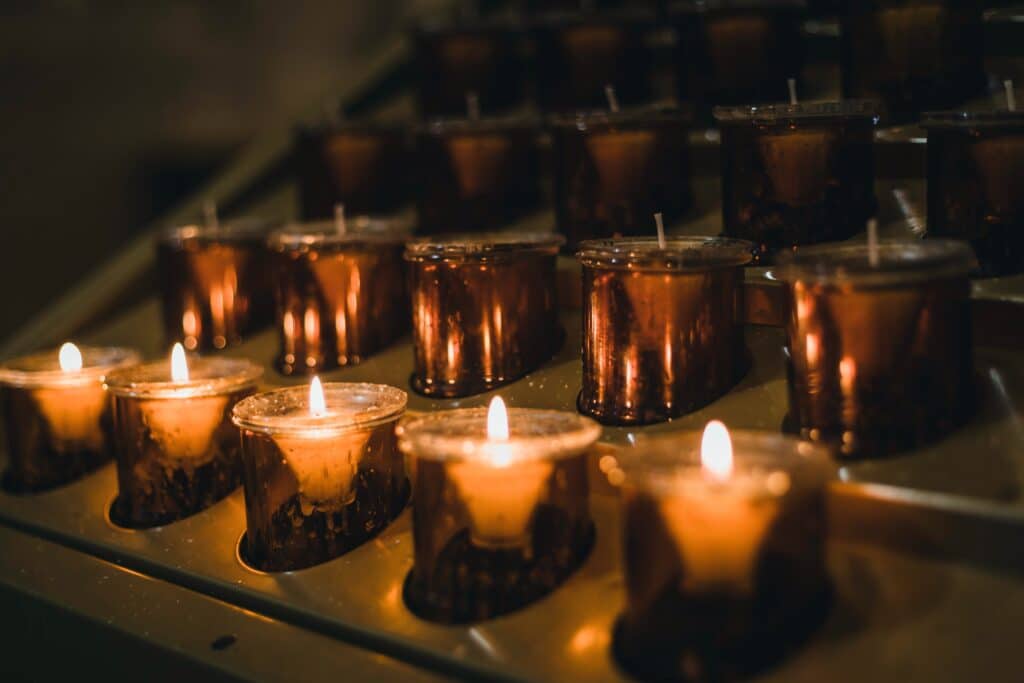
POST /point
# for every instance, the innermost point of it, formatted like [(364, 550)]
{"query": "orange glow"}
[(716, 450), (70, 357), (179, 364)]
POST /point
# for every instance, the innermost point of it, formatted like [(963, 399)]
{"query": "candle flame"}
[(716, 450), (70, 357), (317, 401), (179, 364), (497, 420)]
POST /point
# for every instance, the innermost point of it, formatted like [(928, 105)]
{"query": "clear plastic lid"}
[(234, 231), (482, 246), (969, 120), (350, 406), (785, 114), (701, 6), (627, 118), (898, 262), (359, 230), (43, 369), (360, 127), (485, 125), (682, 254), (207, 377), (461, 435)]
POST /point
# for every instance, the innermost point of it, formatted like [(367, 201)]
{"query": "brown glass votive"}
[(794, 175), (732, 52), (613, 171), (176, 448), (497, 524), (880, 356), (578, 54), (724, 562), (57, 415), (662, 328), (341, 297), (215, 283), (913, 55), (976, 185), (476, 174), (361, 164), (319, 482), (470, 56)]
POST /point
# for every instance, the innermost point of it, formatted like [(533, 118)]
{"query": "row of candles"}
[(723, 542), (912, 56)]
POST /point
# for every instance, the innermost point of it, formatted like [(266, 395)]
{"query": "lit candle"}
[(501, 514), (724, 550), (323, 472), (57, 415), (176, 449)]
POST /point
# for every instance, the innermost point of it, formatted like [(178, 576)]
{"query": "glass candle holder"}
[(662, 326), (724, 560), (879, 356), (476, 174), (913, 55), (176, 448), (363, 165), (578, 54), (341, 297), (215, 283), (57, 415), (731, 52), (480, 57), (794, 175), (319, 481), (976, 185), (613, 172), (484, 311), (497, 524)]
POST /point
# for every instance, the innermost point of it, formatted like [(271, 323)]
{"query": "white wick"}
[(791, 82), (1011, 97), (873, 242), (210, 214), (613, 100), (339, 219), (660, 222), (473, 106)]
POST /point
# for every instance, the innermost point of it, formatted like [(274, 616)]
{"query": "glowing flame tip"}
[(70, 357), (317, 400), (179, 364), (716, 450), (497, 420)]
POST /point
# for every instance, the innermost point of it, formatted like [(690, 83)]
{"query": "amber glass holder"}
[(341, 297), (484, 311), (662, 326), (880, 357)]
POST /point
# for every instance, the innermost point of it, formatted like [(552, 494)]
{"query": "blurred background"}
[(114, 111)]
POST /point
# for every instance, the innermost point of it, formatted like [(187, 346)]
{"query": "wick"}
[(210, 214), (873, 242), (1011, 97), (660, 222), (339, 219), (791, 82), (473, 106), (613, 101)]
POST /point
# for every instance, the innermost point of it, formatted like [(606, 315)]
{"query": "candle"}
[(798, 174), (56, 414), (913, 56), (322, 470), (361, 164), (736, 52), (578, 54), (880, 356), (215, 283), (724, 552), (484, 311), (662, 334), (341, 296), (613, 171), (476, 174), (176, 449), (501, 515), (976, 185), (481, 56)]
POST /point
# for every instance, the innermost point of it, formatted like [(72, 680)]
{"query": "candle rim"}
[(960, 119), (207, 377), (436, 436), (688, 7), (631, 16), (482, 246), (628, 118), (356, 127), (440, 126), (42, 368), (681, 253), (783, 113), (361, 230), (257, 413), (246, 229)]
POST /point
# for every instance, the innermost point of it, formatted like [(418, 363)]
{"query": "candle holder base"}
[(51, 470)]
